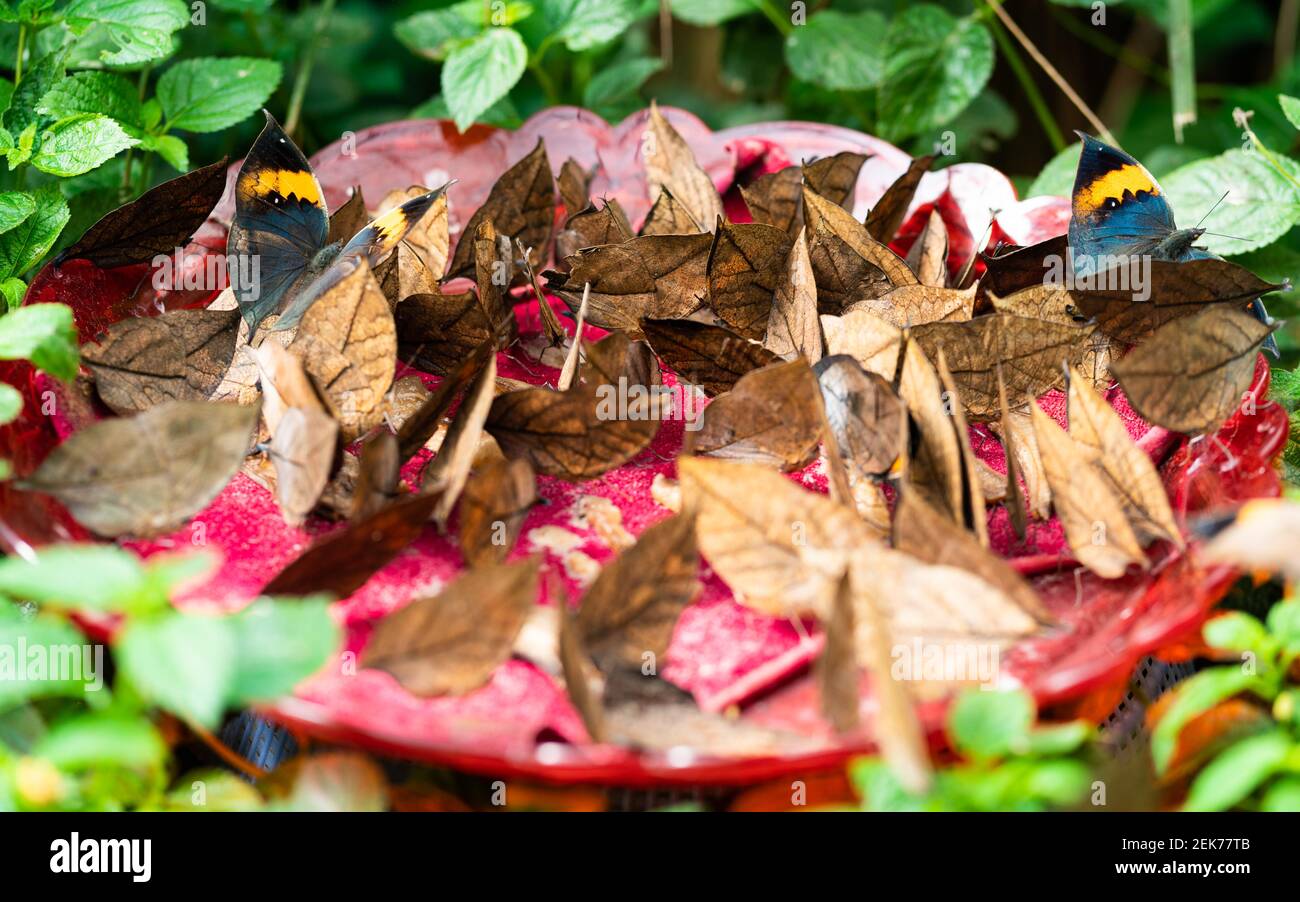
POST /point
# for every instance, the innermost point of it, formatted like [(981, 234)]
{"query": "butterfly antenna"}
[(1213, 208), (1221, 235)]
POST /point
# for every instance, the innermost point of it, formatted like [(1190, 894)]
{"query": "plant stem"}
[(1182, 66), (18, 63), (780, 21), (304, 67), (1034, 96), (544, 79), (1242, 118), (1037, 56)]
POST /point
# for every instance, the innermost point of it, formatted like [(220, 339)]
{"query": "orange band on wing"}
[(1131, 178), (283, 182), (391, 228)]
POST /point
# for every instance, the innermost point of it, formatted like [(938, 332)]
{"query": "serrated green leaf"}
[(1261, 204), (140, 31), (16, 155), (209, 94), (182, 663), (80, 143), (433, 33), (94, 92), (501, 114), (38, 79), (583, 24), (620, 81), (43, 334), (935, 65), (24, 245), (479, 73), (15, 206), (1238, 771), (841, 51), (170, 148)]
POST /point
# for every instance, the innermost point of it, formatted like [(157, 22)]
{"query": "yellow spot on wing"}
[(390, 228), (1131, 178), (284, 182)]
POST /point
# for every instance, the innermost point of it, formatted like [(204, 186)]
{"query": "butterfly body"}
[(1118, 210), (281, 221)]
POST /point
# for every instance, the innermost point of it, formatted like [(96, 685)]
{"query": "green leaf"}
[(139, 30), (11, 405), (1238, 771), (711, 12), (212, 790), (182, 663), (840, 51), (278, 644), (1261, 205), (620, 81), (89, 577), (479, 73), (15, 206), (1283, 795), (1290, 108), (17, 154), (210, 94), (50, 640), (433, 33), (43, 334), (1284, 621), (94, 92), (934, 66), (879, 788), (80, 143), (1284, 385), (1057, 177), (171, 148), (1235, 631), (1058, 782), (1192, 698), (6, 93), (1059, 739), (96, 741), (38, 79), (23, 246), (501, 114), (583, 24), (990, 724)]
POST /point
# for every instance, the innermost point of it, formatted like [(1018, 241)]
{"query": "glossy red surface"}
[(520, 724)]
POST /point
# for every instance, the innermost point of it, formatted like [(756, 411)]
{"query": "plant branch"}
[(1037, 56), (1242, 119), (18, 63), (305, 66)]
